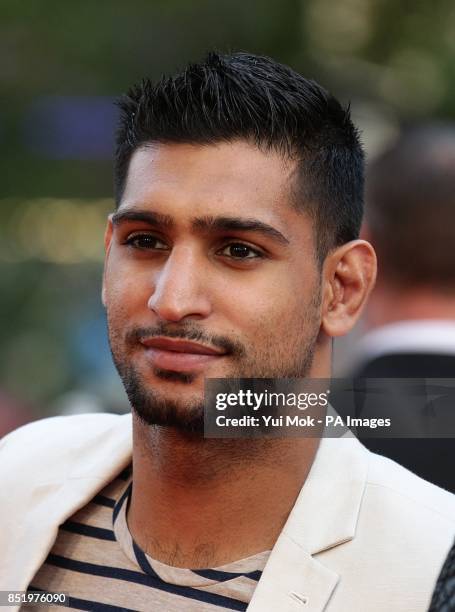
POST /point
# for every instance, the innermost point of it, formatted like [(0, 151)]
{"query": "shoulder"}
[(407, 521), (50, 446), (62, 430), (399, 537), (406, 494)]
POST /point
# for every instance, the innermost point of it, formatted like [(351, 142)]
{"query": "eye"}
[(239, 251), (146, 241)]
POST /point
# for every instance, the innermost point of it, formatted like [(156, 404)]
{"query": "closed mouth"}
[(181, 346)]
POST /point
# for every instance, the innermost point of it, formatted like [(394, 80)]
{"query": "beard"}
[(272, 361)]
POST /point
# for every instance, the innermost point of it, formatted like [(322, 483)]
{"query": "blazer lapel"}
[(292, 581), (324, 516), (49, 502)]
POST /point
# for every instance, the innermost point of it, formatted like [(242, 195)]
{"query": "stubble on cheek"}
[(118, 321), (283, 346)]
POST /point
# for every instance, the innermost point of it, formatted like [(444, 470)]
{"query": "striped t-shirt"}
[(97, 563)]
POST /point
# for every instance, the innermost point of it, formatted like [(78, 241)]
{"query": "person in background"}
[(443, 599), (410, 220)]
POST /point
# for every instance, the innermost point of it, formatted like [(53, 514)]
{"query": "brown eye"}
[(237, 250), (146, 241)]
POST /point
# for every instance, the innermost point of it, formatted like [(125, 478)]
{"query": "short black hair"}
[(243, 96), (410, 208)]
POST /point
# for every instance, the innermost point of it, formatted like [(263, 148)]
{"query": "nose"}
[(179, 288)]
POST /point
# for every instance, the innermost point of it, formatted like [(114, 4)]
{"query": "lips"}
[(179, 355), (180, 346)]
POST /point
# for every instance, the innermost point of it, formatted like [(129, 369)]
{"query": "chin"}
[(185, 378), (169, 412)]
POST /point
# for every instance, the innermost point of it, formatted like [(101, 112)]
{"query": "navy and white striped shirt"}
[(96, 561)]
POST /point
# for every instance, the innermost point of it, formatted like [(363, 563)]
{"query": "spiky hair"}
[(242, 96)]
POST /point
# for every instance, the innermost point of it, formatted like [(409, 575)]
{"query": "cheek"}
[(282, 313), (126, 290), (267, 314), (124, 310)]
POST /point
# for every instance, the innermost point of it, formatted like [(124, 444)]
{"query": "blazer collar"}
[(324, 516), (42, 507)]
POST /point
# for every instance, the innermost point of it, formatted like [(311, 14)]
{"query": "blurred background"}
[(63, 64)]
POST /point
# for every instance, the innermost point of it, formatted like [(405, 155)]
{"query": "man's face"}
[(210, 272)]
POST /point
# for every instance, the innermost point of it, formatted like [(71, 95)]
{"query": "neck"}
[(200, 502), (389, 304)]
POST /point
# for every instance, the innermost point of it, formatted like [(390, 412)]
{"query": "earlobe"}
[(350, 273)]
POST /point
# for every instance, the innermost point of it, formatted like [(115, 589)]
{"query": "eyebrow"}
[(150, 217), (208, 223), (239, 224)]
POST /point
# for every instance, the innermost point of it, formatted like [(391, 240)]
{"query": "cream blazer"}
[(365, 535)]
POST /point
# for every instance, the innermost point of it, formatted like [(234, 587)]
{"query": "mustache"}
[(185, 332)]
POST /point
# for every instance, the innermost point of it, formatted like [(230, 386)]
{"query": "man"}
[(233, 252), (411, 313)]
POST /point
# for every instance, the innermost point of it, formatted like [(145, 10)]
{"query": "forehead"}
[(197, 180)]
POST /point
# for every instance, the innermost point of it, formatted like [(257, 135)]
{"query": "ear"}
[(107, 247), (349, 276)]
